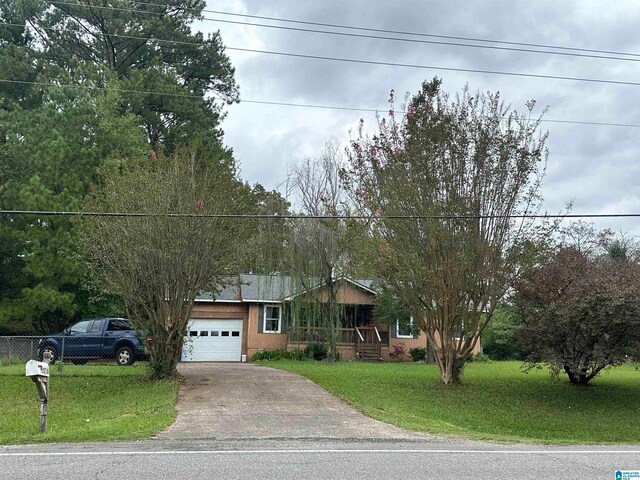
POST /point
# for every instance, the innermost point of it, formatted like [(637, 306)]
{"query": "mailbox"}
[(37, 369), (39, 373)]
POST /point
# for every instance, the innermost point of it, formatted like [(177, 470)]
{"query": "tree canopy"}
[(581, 308), (458, 169), (159, 263)]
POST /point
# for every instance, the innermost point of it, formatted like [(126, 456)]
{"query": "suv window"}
[(119, 324), (96, 326), (80, 327)]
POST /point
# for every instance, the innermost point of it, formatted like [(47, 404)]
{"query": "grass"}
[(495, 402), (88, 403)]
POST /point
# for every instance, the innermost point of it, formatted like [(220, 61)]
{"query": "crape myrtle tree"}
[(158, 263), (581, 307), (461, 168)]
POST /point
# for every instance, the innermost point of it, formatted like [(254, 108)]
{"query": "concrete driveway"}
[(245, 401)]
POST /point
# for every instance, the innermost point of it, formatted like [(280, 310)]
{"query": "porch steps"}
[(370, 352)]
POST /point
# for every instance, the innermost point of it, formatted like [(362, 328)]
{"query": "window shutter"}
[(261, 318), (394, 330)]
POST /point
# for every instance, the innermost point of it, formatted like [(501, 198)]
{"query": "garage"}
[(209, 340)]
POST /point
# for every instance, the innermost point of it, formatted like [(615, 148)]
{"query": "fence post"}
[(61, 357)]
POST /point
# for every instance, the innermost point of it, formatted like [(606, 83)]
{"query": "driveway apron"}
[(245, 401)]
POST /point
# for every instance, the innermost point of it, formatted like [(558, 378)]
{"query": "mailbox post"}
[(39, 373)]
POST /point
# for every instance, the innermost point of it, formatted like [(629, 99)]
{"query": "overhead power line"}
[(308, 217), (379, 30), (371, 110), (434, 67), (284, 104), (365, 62), (428, 42)]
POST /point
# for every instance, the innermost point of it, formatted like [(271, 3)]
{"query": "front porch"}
[(357, 343)]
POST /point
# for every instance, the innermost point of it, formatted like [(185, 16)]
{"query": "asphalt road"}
[(291, 459)]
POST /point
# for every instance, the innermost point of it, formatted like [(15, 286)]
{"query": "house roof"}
[(269, 288)]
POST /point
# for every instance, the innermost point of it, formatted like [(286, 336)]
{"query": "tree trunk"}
[(578, 378), (450, 366)]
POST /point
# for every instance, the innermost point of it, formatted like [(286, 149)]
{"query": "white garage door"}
[(213, 340)]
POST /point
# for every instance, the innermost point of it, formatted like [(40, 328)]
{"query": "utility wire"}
[(433, 67), (367, 62), (368, 29), (355, 109), (308, 217), (428, 42), (285, 104)]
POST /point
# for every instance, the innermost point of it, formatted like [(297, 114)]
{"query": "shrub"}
[(500, 337), (298, 354), (317, 351), (418, 354), (279, 354), (397, 352)]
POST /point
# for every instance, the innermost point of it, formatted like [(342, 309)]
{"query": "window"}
[(95, 328), (119, 324), (204, 333), (225, 334), (193, 333), (80, 327), (272, 314), (214, 333), (235, 334), (404, 329)]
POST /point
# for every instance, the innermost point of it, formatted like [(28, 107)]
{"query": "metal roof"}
[(269, 288)]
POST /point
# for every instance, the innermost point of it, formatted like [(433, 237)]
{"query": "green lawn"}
[(496, 401), (87, 403)]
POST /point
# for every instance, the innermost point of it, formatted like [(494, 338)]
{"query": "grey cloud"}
[(596, 165)]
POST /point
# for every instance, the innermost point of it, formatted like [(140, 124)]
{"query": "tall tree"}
[(54, 154), (177, 79), (581, 308), (131, 77), (159, 263), (460, 169)]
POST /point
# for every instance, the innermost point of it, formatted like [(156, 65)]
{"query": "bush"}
[(500, 338), (317, 351), (279, 354), (298, 354), (418, 354)]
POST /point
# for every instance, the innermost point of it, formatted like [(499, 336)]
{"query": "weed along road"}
[(320, 459)]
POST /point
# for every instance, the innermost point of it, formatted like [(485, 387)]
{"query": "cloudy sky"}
[(594, 166)]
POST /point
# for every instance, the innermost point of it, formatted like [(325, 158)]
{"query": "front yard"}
[(495, 402), (87, 403)]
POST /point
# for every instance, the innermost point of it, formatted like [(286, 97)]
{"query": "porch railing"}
[(369, 343), (346, 336)]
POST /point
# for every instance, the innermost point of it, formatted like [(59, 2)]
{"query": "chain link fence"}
[(76, 349)]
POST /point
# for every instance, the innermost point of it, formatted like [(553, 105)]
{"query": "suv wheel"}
[(124, 356)]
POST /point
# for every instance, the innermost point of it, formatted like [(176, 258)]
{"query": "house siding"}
[(257, 341)]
